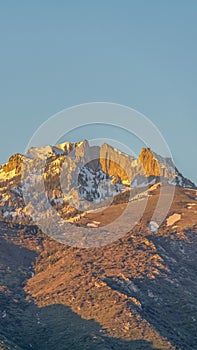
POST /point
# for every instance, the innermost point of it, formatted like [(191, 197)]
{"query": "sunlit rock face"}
[(148, 164), (152, 164), (66, 147), (76, 174), (14, 163), (163, 169), (116, 163), (149, 167)]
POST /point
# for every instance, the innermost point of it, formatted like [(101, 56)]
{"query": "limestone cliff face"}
[(115, 163), (82, 150), (78, 174), (66, 147), (148, 165), (14, 163), (95, 172), (152, 165), (86, 154)]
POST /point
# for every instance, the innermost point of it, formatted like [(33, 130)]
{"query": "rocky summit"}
[(137, 290)]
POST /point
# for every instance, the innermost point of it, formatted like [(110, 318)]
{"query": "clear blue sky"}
[(55, 54)]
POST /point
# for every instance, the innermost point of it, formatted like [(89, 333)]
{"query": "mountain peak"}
[(149, 163), (110, 160)]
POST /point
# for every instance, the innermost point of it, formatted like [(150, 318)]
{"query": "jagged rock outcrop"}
[(148, 165), (66, 147), (116, 163), (14, 163), (154, 166), (148, 168), (77, 173)]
